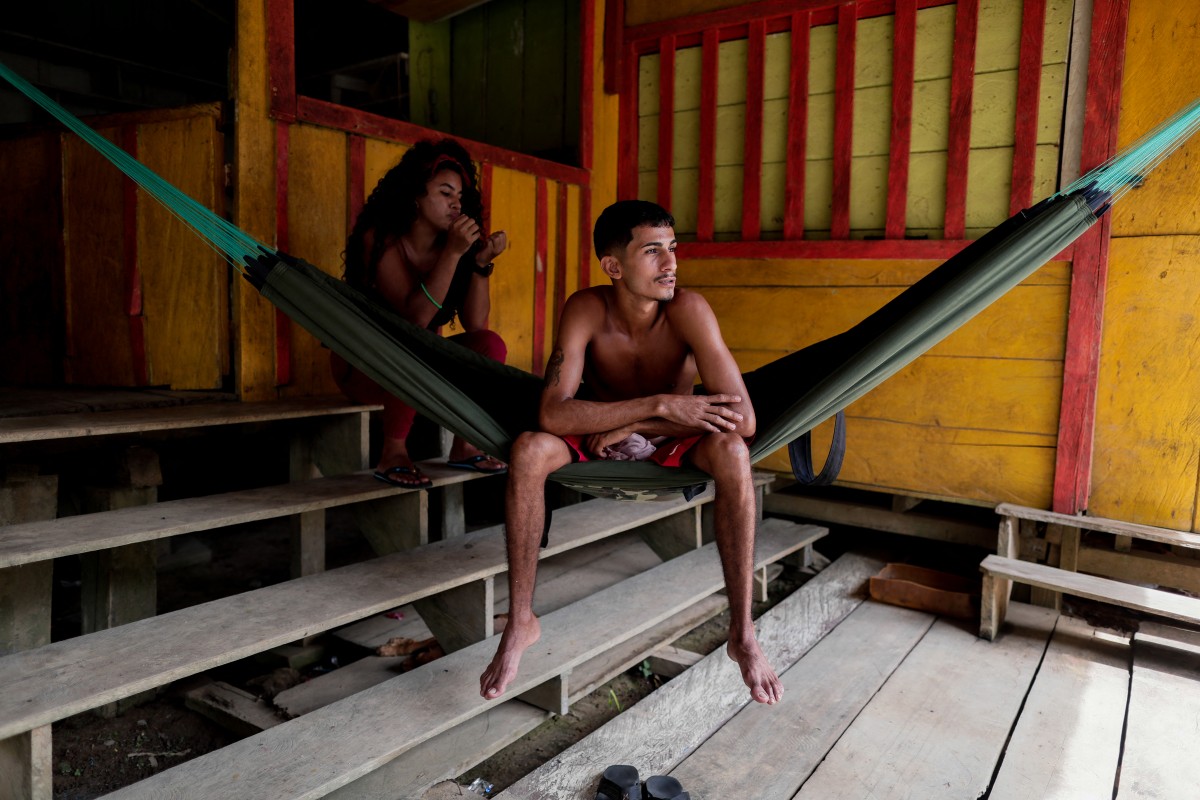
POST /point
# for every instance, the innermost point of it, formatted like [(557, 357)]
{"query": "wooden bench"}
[(1114, 585), (450, 581), (322, 751)]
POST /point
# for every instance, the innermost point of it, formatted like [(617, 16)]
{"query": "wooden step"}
[(679, 717), (65, 678), (1117, 527), (860, 515), (315, 754), (998, 571), (40, 541), (143, 420)]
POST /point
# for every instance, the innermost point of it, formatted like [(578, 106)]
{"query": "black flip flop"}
[(619, 782), (422, 480), (664, 787)]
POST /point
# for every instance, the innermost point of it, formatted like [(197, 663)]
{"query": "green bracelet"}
[(436, 304)]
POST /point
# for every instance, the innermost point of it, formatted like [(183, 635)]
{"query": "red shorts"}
[(668, 454)]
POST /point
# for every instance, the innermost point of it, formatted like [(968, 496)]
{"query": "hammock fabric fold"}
[(490, 404)]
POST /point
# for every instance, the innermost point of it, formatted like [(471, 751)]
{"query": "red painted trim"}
[(843, 121), (614, 45), (823, 11), (709, 65), (560, 256), (352, 120), (883, 249), (627, 147), (797, 133), (133, 269), (756, 44), (356, 168), (1089, 274), (281, 58), (962, 87), (666, 119), (899, 151), (283, 326), (585, 238), (1029, 86), (587, 89), (540, 265)]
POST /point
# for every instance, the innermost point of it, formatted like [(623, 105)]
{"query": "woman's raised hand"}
[(462, 234), (492, 246)]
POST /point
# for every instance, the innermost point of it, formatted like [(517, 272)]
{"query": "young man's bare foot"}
[(517, 637), (756, 671)]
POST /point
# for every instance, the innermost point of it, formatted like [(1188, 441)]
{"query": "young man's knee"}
[(533, 451)]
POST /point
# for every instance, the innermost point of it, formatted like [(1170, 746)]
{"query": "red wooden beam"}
[(614, 44), (666, 119), (281, 58), (797, 132), (133, 269), (708, 136), (1029, 82), (352, 120), (541, 244), (756, 46), (1089, 273), (627, 147), (587, 89), (283, 325), (843, 121), (962, 85), (904, 44), (356, 154), (560, 257)]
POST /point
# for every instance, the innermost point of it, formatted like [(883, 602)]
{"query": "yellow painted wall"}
[(1147, 464), (993, 123)]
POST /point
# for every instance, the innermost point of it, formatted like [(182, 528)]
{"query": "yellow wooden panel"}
[(1147, 409), (317, 228), (926, 206), (873, 52), (872, 121), (777, 66), (605, 139), (1050, 104), (727, 200), (514, 204), (379, 157), (774, 181), (551, 267), (989, 180), (994, 109), (1027, 323), (685, 194), (185, 285), (685, 152), (1045, 171), (836, 273), (647, 188), (989, 467), (1162, 75), (98, 346), (1056, 45), (868, 193), (687, 79), (818, 142), (998, 45), (730, 147), (822, 59), (253, 201), (775, 131), (648, 142), (573, 232), (934, 51), (818, 196), (731, 72), (931, 118), (648, 84)]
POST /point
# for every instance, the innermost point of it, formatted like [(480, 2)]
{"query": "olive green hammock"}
[(490, 404)]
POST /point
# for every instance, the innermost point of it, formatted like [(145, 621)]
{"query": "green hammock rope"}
[(489, 404)]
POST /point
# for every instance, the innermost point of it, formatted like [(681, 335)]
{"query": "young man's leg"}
[(725, 457), (533, 457)]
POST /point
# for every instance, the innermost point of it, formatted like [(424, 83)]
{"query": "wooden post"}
[(550, 696), (307, 528), (26, 766), (461, 616), (674, 535), (994, 602), (400, 522)]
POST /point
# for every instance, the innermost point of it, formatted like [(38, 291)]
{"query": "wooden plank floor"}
[(893, 703)]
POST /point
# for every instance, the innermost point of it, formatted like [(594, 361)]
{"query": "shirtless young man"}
[(634, 351)]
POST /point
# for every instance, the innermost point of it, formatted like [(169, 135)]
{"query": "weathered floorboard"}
[(1068, 738), (938, 726), (663, 728), (828, 687)]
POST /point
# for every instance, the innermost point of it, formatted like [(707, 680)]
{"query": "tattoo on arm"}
[(554, 368)]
